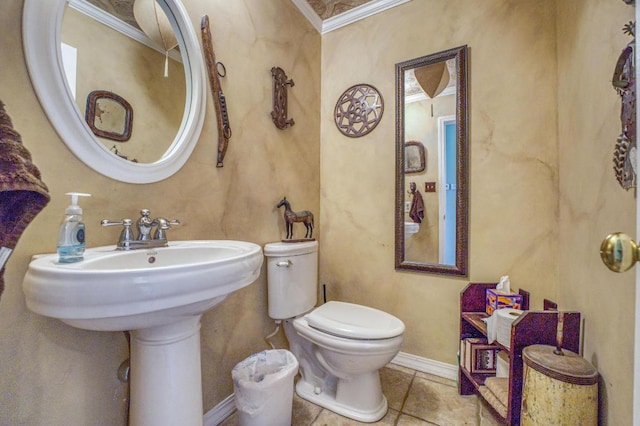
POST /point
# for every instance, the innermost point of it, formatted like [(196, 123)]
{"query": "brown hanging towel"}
[(22, 192)]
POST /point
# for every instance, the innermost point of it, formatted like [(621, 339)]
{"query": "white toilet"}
[(340, 346)]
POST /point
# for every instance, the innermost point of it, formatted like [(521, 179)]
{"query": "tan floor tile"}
[(405, 420), (431, 400), (437, 379), (232, 420), (487, 418), (329, 418), (304, 412), (395, 385), (440, 404), (401, 368)]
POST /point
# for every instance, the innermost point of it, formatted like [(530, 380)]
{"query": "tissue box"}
[(497, 300)]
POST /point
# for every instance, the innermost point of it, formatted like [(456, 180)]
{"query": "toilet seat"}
[(352, 321)]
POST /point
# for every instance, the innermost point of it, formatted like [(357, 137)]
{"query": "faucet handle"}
[(163, 225), (126, 235), (123, 222)]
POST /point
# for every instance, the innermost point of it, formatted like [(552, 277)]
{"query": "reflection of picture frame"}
[(414, 157), (109, 115)]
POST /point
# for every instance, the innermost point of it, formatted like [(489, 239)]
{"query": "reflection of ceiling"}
[(121, 9), (413, 92), (325, 15)]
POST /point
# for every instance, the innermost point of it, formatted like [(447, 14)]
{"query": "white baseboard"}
[(425, 365), (217, 414)]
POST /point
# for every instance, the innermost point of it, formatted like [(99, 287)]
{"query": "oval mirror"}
[(431, 221), (42, 38)]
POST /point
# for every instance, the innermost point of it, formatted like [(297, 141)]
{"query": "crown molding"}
[(346, 18), (120, 26)]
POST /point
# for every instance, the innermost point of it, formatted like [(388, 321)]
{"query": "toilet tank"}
[(292, 278)]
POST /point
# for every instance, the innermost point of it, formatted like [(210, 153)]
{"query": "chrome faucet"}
[(144, 225)]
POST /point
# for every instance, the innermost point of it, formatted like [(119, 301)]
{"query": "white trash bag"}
[(263, 387)]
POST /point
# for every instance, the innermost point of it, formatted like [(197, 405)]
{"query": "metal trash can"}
[(558, 389), (263, 388)]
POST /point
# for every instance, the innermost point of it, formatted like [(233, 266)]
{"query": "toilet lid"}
[(354, 321)]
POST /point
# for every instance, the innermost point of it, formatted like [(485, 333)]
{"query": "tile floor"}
[(415, 399)]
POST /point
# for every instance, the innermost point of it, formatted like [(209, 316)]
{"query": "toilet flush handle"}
[(285, 263)]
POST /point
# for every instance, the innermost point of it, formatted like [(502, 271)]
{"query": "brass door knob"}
[(619, 252)]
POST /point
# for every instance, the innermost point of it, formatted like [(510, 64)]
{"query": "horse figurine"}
[(290, 217)]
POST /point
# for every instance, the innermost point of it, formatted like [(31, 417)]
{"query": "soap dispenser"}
[(71, 238)]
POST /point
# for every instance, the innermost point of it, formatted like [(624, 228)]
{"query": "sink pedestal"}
[(166, 381)]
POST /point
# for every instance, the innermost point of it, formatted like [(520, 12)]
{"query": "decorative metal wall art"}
[(359, 110), (291, 217), (224, 128), (109, 116), (624, 156), (280, 98)]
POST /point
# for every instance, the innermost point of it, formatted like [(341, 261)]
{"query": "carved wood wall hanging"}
[(359, 110), (624, 156), (280, 98), (222, 116)]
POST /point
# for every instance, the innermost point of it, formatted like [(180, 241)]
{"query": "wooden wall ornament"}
[(359, 110), (222, 116), (280, 98), (624, 81)]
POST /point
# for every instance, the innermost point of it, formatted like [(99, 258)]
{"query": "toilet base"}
[(306, 391)]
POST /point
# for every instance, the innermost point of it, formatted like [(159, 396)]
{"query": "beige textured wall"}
[(513, 161), (592, 204), (55, 375)]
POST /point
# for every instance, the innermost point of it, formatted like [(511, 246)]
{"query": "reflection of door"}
[(447, 189)]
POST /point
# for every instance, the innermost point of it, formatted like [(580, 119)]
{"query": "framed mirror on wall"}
[(431, 209)]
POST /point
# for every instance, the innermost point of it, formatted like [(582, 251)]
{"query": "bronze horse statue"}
[(290, 217)]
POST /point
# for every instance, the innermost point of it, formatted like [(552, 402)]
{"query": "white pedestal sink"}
[(159, 295)]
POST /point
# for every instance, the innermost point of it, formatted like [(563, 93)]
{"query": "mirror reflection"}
[(431, 163), (107, 60)]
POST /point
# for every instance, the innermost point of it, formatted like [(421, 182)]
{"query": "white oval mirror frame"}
[(41, 23)]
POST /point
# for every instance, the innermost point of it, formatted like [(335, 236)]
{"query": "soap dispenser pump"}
[(71, 236)]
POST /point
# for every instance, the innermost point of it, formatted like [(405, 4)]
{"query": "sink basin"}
[(114, 290), (159, 295)]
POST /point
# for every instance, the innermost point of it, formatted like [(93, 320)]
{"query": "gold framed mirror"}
[(431, 208)]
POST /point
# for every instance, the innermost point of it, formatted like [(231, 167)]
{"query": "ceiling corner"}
[(363, 11), (309, 13)]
